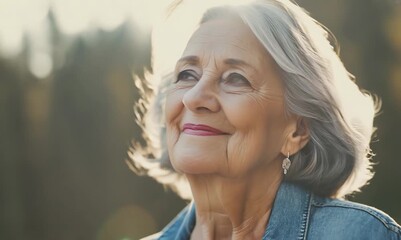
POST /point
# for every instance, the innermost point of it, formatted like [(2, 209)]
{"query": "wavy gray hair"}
[(318, 88)]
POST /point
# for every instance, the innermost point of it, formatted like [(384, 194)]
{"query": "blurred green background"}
[(66, 116)]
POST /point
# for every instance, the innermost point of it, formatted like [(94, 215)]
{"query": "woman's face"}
[(224, 109)]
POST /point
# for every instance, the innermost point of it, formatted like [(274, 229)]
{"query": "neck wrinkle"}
[(228, 208)]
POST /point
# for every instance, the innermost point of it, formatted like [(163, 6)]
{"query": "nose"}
[(202, 97)]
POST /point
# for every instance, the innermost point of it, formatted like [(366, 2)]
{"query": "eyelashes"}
[(186, 75), (233, 78), (237, 79)]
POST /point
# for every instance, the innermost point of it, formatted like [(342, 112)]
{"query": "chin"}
[(193, 156), (193, 164)]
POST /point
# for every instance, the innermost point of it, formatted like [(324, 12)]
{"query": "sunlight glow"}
[(111, 14), (146, 13), (170, 35), (73, 16), (10, 42), (27, 19), (16, 17)]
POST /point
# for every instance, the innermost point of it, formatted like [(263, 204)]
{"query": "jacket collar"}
[(290, 213), (288, 220)]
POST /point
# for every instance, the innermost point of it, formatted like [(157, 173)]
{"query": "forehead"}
[(228, 37)]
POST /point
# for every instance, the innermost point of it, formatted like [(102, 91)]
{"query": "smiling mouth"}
[(201, 130)]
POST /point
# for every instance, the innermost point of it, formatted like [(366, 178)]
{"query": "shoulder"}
[(334, 216)]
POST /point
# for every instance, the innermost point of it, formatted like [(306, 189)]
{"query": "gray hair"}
[(336, 160)]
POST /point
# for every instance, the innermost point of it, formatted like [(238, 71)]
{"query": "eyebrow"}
[(236, 62), (229, 61), (189, 59)]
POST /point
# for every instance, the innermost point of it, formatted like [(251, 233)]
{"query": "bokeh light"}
[(40, 64), (127, 223)]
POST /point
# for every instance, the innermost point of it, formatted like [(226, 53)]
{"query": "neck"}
[(233, 208)]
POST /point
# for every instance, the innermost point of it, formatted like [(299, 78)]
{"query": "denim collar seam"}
[(306, 218)]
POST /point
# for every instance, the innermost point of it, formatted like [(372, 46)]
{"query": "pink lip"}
[(201, 130)]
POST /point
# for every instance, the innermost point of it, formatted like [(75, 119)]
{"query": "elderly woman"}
[(266, 125)]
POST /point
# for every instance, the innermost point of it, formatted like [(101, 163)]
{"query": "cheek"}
[(173, 112), (250, 114), (173, 106), (259, 133)]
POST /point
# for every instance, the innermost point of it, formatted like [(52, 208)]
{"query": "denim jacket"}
[(299, 214)]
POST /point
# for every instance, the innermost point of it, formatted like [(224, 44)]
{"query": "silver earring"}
[(286, 163)]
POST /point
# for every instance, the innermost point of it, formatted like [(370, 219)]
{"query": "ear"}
[(297, 136)]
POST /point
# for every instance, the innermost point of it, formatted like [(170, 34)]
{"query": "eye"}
[(187, 75), (237, 79)]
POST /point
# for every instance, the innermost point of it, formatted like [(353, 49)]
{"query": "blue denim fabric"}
[(298, 214)]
